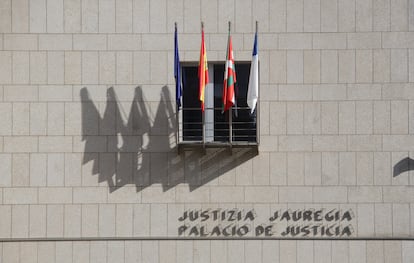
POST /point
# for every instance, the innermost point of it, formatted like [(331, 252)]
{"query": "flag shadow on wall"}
[(405, 165), (136, 147)]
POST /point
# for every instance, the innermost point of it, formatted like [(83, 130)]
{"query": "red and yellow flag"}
[(229, 98), (202, 71)]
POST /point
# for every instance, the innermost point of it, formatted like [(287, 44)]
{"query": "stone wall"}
[(88, 157)]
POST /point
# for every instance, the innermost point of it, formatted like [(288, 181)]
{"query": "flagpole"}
[(257, 23), (177, 121), (258, 96), (231, 111), (203, 112)]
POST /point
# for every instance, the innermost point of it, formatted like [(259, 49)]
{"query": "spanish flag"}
[(202, 70)]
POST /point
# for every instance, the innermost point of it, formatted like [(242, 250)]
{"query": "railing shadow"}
[(141, 151)]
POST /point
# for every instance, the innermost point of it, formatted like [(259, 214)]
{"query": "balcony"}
[(214, 129)]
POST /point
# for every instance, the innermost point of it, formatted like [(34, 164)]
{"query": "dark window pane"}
[(243, 123), (192, 118), (221, 121)]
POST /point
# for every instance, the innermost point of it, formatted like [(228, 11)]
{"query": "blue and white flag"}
[(177, 73), (253, 89)]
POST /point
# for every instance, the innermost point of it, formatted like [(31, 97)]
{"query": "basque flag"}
[(229, 98)]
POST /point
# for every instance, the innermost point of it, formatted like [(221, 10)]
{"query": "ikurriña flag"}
[(253, 88), (202, 70), (229, 98), (177, 71)]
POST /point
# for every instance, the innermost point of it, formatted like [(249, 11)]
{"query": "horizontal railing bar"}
[(244, 127)]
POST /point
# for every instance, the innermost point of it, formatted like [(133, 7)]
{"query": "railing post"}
[(177, 124), (231, 125), (204, 127)]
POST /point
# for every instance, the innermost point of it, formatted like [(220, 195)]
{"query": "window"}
[(216, 126), (192, 129)]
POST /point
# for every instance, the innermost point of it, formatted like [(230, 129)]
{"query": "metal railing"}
[(215, 127)]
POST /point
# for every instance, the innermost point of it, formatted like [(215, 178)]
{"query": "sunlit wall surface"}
[(89, 167)]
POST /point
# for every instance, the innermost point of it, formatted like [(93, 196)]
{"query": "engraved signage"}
[(306, 223)]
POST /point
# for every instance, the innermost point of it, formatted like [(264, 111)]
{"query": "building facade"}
[(89, 164)]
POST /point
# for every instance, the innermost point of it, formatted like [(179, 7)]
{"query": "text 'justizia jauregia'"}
[(324, 223)]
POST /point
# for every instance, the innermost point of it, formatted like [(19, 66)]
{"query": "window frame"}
[(208, 138)]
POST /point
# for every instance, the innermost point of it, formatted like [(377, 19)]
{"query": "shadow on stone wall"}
[(406, 164), (142, 152)]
